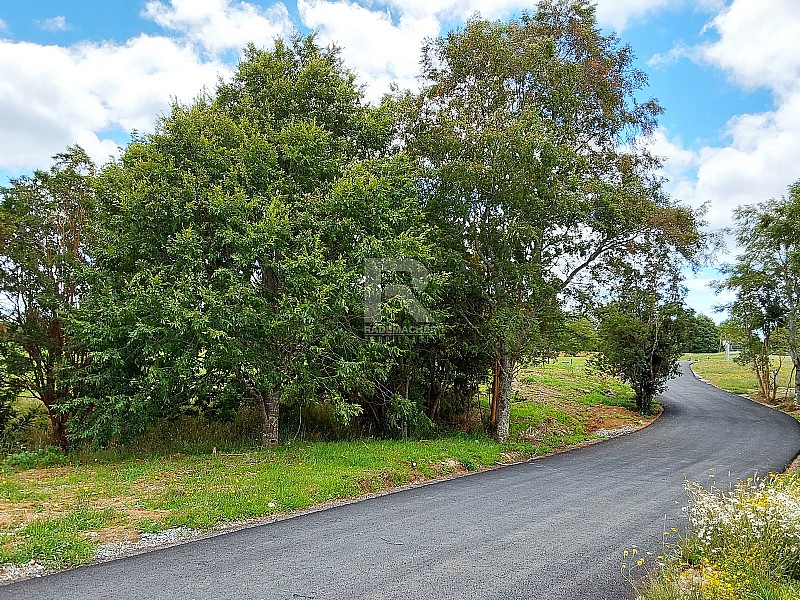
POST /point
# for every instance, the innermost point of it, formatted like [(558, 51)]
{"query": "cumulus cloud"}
[(759, 159), (380, 50), (55, 24), (56, 96), (221, 25), (756, 43), (382, 39)]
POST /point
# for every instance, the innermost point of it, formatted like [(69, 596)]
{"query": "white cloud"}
[(676, 54), (759, 160), (619, 13), (58, 23), (703, 298), (221, 25), (379, 51), (3, 25), (757, 43), (54, 96), (382, 39), (679, 158)]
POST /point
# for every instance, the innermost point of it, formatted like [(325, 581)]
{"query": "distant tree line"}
[(219, 264)]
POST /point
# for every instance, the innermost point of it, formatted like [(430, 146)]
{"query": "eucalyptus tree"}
[(527, 131), (43, 243)]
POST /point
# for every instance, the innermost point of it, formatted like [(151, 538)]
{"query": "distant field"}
[(736, 378)]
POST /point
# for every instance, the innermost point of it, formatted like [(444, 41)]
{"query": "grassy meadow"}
[(740, 379)]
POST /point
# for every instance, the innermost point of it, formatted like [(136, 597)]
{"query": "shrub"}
[(46, 456)]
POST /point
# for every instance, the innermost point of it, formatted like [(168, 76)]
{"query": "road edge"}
[(793, 465), (231, 527), (234, 526)]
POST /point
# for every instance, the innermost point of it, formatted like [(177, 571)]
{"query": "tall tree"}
[(234, 241), (527, 131), (766, 280), (43, 242)]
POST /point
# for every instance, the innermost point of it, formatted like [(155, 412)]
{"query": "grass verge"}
[(56, 510), (739, 379)]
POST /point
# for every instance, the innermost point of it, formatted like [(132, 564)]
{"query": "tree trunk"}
[(796, 387), (434, 392), (794, 352), (58, 421), (269, 406), (761, 367), (501, 431), (495, 394), (644, 403), (59, 425)]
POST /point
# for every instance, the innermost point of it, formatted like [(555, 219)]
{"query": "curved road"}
[(549, 529)]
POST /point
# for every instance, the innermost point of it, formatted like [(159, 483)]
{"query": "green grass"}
[(55, 542), (737, 378), (193, 475), (150, 494), (574, 379)]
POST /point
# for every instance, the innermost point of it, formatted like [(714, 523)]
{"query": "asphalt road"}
[(549, 529)]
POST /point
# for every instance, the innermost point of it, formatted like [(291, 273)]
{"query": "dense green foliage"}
[(43, 243), (231, 262), (704, 335), (642, 339), (579, 335), (233, 245), (766, 280)]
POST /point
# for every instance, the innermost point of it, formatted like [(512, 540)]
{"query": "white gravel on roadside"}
[(609, 433), (111, 550), (107, 551), (10, 572)]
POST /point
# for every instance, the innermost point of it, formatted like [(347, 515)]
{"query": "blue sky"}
[(90, 71)]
